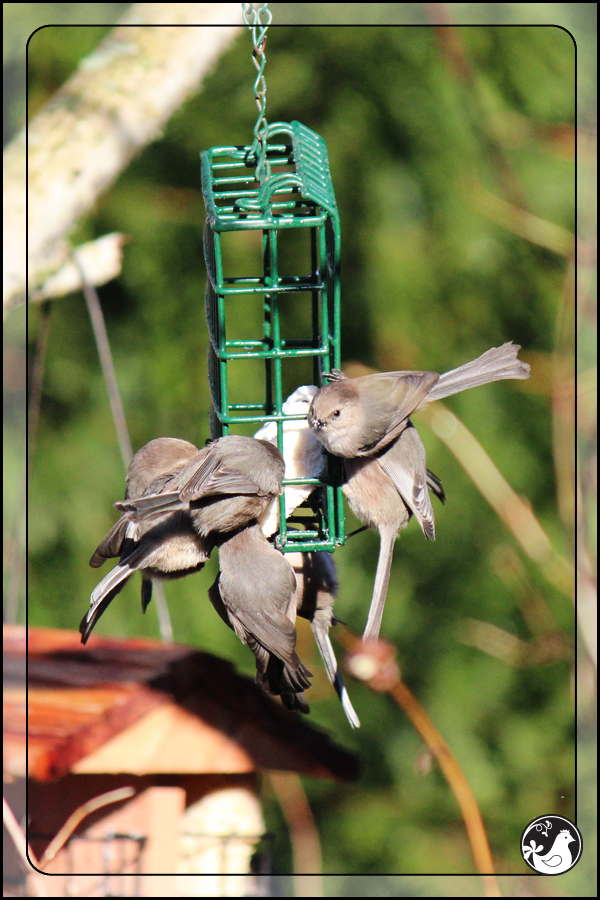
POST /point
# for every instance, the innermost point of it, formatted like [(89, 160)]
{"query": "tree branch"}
[(115, 104)]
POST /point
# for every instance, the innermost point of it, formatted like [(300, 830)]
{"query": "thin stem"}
[(118, 411), (374, 662)]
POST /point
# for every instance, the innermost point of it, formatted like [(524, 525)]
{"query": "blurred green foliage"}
[(428, 282)]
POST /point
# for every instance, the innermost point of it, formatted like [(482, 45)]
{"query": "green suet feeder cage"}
[(280, 184)]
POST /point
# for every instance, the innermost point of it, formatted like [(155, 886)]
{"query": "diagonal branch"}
[(115, 104)]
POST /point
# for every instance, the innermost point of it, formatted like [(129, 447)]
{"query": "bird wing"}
[(552, 862), (400, 393), (214, 595), (404, 463), (266, 628), (208, 474), (274, 631), (112, 545), (434, 484), (163, 494), (215, 475), (154, 505), (163, 484)]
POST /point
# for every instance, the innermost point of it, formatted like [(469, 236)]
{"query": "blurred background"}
[(452, 153)]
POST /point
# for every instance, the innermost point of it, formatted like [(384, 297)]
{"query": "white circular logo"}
[(551, 845)]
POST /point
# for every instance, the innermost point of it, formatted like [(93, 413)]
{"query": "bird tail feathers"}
[(102, 595), (493, 365)]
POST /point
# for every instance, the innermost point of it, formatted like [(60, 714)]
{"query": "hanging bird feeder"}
[(279, 186)]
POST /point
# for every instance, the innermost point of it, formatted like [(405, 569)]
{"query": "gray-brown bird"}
[(252, 594), (162, 547), (224, 485), (176, 498), (366, 421)]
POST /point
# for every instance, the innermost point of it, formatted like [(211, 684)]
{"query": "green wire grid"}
[(295, 191)]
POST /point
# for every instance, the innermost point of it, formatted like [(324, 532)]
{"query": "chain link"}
[(258, 20)]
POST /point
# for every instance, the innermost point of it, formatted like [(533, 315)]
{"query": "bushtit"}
[(313, 599), (252, 594), (222, 486), (176, 495), (366, 421), (303, 454), (165, 546)]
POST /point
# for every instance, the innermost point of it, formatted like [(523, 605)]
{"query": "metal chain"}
[(258, 20)]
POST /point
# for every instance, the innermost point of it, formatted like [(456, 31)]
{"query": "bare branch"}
[(101, 261), (115, 104)]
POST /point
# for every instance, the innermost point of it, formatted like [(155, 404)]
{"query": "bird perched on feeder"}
[(224, 485), (366, 421), (315, 572), (176, 497), (162, 547), (317, 586), (303, 454), (252, 594)]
